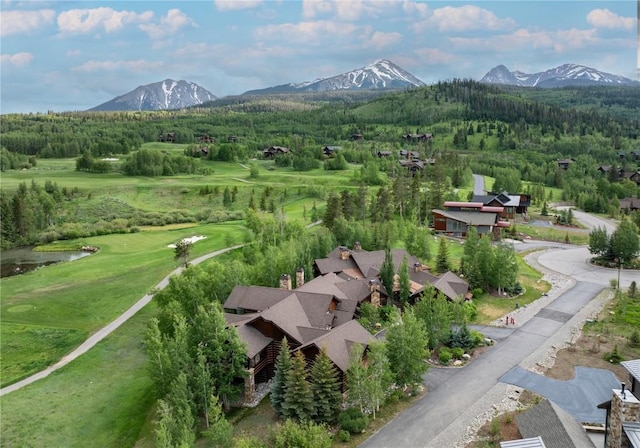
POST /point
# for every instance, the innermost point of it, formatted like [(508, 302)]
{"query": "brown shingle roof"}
[(256, 341), (452, 286), (338, 342), (254, 298)]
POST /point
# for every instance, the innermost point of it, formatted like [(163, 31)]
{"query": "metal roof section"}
[(533, 442)]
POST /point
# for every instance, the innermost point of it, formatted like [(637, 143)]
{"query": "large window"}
[(456, 226)]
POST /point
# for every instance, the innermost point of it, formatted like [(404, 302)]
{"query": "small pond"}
[(24, 259)]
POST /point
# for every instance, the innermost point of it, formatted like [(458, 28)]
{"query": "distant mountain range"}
[(562, 76), (379, 75), (163, 95)]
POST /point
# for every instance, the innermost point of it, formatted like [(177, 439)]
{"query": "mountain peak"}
[(380, 74), (161, 95), (568, 74)]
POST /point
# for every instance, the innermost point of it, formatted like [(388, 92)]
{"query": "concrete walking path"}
[(111, 327)]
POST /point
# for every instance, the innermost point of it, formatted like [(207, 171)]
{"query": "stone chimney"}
[(357, 246), (344, 253), (417, 266), (374, 287), (625, 407), (285, 282), (299, 277)]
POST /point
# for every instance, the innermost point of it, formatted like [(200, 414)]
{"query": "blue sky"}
[(73, 55)]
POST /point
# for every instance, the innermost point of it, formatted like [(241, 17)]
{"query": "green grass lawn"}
[(101, 399), (47, 312), (491, 308)]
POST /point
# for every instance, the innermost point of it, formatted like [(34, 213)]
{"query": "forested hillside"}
[(513, 135)]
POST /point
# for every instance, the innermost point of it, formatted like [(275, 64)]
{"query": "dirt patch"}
[(588, 351)]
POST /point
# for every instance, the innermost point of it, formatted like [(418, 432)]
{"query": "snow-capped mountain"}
[(381, 74), (163, 95), (564, 75)]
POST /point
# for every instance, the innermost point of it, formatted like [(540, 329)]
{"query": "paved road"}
[(109, 328), (439, 417), (425, 423), (478, 185)]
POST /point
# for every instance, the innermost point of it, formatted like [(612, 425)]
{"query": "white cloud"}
[(350, 10), (416, 9), (603, 18), (310, 33), (463, 18), (73, 53), (435, 56), (139, 65), (230, 5), (169, 24), (87, 20), (19, 22), (558, 41), (381, 40), (18, 59)]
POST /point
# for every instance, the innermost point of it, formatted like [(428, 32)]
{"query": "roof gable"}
[(338, 342)]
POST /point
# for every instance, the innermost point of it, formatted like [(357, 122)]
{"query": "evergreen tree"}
[(442, 260), (298, 398), (333, 210), (407, 349), (326, 389), (226, 197), (387, 272), (360, 205), (278, 386)]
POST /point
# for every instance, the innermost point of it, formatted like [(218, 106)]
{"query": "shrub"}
[(634, 339), (344, 436), (477, 338), (457, 352), (461, 338), (614, 357), (444, 355), (353, 421), (301, 435)]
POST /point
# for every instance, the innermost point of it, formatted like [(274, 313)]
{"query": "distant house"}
[(206, 139), (274, 151), (604, 168), (629, 204), (512, 203), (458, 217), (169, 137), (412, 138), (622, 427), (407, 154), (414, 166), (635, 155), (382, 154), (633, 176), (200, 151), (356, 137), (565, 163), (232, 139), (329, 151)]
